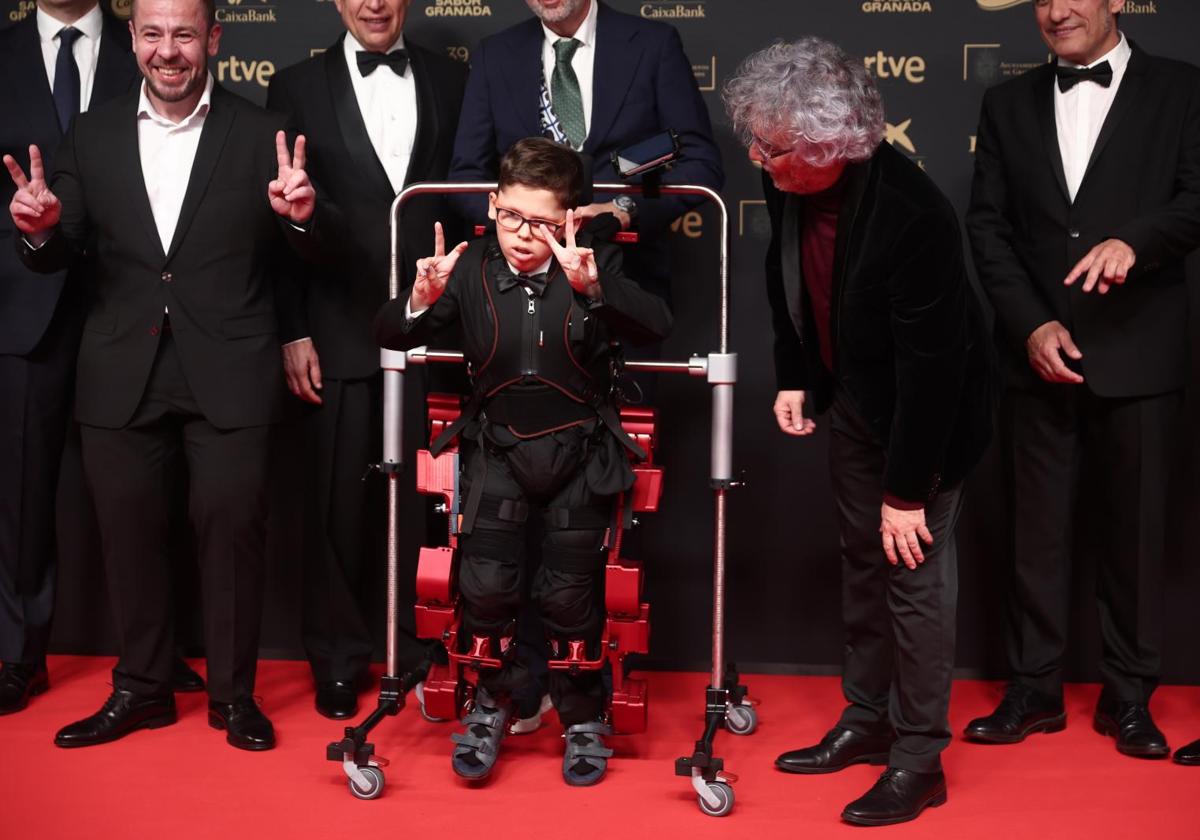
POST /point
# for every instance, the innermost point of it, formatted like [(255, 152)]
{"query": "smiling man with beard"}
[(182, 194)]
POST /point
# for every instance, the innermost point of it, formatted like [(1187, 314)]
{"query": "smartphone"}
[(646, 155)]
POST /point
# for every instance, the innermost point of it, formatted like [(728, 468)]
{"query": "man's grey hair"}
[(809, 93)]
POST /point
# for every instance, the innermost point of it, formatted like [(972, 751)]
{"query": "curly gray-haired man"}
[(874, 319)]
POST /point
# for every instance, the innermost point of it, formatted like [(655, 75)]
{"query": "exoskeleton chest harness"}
[(553, 378)]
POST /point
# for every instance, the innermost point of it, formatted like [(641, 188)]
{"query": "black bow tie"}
[(1068, 77), (368, 61), (535, 283)]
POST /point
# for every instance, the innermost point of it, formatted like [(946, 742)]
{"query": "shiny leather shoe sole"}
[(218, 722), (1047, 725), (868, 758), (1107, 726), (937, 800), (1187, 759), (157, 722)]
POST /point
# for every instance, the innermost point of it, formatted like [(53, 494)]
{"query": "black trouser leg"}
[(35, 404), (1042, 463), (1132, 442), (900, 623)]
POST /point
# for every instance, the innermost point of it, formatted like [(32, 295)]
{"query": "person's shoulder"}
[(1174, 69), (910, 186), (439, 65), (531, 27), (107, 113), (300, 76), (1018, 87)]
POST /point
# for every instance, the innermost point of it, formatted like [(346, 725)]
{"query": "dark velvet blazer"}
[(338, 298), (27, 115), (909, 343)]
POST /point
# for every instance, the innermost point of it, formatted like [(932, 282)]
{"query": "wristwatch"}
[(628, 206)]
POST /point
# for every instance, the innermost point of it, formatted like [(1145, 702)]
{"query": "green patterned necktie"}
[(564, 91)]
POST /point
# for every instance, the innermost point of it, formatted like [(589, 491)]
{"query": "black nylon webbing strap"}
[(608, 413), (475, 494), (590, 518), (468, 413)]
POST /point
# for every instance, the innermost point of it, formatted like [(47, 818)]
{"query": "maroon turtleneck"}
[(818, 245)]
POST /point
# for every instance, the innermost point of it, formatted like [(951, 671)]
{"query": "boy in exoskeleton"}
[(540, 435)]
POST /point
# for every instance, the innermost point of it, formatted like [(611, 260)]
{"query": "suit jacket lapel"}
[(128, 160), (424, 144), (524, 83), (616, 62), (350, 121), (115, 69), (1043, 95), (789, 258), (37, 100), (212, 140), (1122, 104)]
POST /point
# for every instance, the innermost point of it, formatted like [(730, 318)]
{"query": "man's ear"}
[(492, 206)]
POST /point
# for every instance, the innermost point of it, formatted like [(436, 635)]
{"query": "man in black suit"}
[(874, 319), (164, 189), (1085, 200), (379, 112), (42, 86)]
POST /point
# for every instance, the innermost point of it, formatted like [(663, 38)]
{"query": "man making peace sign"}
[(181, 195)]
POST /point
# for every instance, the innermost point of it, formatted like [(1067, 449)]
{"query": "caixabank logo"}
[(247, 11), (458, 9), (893, 6), (673, 9), (1149, 7)]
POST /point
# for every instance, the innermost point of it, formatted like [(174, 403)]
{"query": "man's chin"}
[(175, 94)]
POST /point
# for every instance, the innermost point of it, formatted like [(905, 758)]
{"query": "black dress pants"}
[(1056, 434), (129, 474), (344, 540), (899, 623), (35, 411), (544, 478)]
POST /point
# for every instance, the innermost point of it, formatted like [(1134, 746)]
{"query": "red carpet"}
[(185, 782)]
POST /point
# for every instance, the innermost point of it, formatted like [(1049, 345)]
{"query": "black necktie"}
[(535, 283), (396, 59), (66, 77), (1068, 77)]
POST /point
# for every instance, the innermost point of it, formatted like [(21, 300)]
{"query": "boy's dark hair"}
[(541, 164)]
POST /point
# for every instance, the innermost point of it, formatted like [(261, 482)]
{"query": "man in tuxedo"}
[(62, 59), (174, 193), (607, 80), (379, 112), (1085, 200), (874, 320)]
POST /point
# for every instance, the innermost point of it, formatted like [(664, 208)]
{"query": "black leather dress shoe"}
[(183, 678), (123, 712), (898, 796), (246, 727), (337, 699), (1133, 728), (1189, 755), (1022, 712), (19, 682), (837, 750)]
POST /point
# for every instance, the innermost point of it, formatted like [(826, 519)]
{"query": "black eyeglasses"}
[(512, 220), (769, 151)]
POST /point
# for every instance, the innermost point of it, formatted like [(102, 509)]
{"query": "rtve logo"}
[(908, 68), (234, 69)]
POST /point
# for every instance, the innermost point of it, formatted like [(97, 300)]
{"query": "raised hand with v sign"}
[(34, 208), (433, 272), (579, 264), (292, 195)]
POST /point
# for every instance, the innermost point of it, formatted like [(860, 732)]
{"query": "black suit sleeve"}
[(930, 327), (1019, 305), (394, 331), (69, 240), (1169, 233), (790, 366), (625, 308)]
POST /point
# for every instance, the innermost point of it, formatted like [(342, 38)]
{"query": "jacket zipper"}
[(531, 335)]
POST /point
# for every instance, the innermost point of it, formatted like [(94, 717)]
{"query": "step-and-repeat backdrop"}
[(933, 59)]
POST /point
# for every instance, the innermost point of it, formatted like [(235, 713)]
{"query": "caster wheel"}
[(741, 720), (375, 783), (724, 793)]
